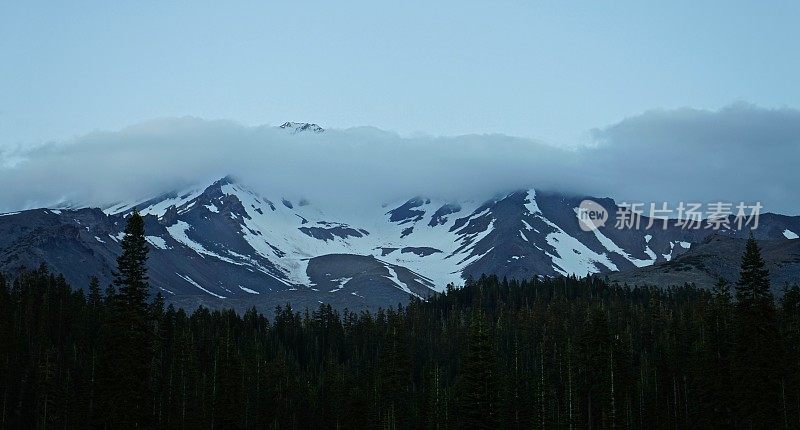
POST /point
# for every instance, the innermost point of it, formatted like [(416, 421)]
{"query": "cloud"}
[(344, 167), (740, 152)]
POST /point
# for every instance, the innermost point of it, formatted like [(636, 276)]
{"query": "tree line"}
[(566, 353)]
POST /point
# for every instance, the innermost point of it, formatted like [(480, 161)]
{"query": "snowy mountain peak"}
[(221, 240), (300, 127)]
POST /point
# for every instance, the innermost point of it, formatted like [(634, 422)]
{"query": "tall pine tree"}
[(476, 385), (753, 286), (128, 340), (758, 352)]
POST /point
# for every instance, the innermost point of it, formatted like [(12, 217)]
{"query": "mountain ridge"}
[(222, 241)]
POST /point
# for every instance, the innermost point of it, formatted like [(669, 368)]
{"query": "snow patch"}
[(530, 203), (180, 200), (573, 257), (191, 281), (400, 284), (178, 232), (613, 247), (341, 282), (790, 234), (157, 242)]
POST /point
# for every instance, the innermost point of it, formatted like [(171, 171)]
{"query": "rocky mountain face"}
[(222, 244), (719, 256)]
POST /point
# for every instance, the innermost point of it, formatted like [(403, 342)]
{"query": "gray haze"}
[(740, 152)]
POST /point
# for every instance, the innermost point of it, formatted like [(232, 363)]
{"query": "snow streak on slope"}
[(159, 205), (400, 284), (572, 256), (613, 247), (191, 281), (247, 290), (179, 232), (155, 241)]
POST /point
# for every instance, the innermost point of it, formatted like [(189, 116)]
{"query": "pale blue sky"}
[(534, 69)]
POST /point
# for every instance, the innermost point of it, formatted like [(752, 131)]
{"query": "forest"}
[(565, 353)]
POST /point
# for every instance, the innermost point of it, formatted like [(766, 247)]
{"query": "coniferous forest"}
[(567, 353)]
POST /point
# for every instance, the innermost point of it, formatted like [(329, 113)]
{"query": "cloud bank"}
[(740, 152)]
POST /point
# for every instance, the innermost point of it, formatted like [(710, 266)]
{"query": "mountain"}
[(222, 244), (719, 256), (299, 127)]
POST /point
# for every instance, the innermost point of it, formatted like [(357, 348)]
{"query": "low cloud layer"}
[(741, 152), (738, 153)]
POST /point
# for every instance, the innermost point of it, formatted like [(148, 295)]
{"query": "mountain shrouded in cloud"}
[(667, 155)]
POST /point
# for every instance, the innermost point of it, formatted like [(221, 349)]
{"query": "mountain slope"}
[(222, 242), (719, 256)]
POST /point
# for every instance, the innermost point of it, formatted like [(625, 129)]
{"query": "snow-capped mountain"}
[(299, 127), (222, 243)]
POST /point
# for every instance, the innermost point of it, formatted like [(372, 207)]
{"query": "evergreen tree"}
[(131, 276), (95, 296), (722, 292), (596, 375), (477, 392), (791, 335), (94, 329), (128, 340), (714, 367), (758, 352), (753, 286)]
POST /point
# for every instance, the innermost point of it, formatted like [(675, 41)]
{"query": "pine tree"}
[(722, 291), (758, 352), (596, 379), (714, 367), (791, 329), (131, 276), (94, 329), (128, 340), (477, 392), (95, 297), (753, 285)]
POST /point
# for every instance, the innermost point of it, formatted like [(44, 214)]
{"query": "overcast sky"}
[(666, 100), (546, 70)]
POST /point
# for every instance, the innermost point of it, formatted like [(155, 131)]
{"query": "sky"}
[(545, 70), (700, 91)]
